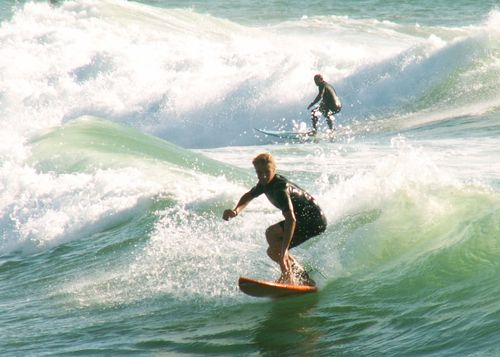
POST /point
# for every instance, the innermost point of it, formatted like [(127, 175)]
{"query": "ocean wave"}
[(92, 174), (188, 77)]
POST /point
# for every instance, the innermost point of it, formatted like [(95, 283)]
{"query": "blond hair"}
[(265, 159)]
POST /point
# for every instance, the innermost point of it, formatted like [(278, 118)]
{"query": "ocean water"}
[(128, 127)]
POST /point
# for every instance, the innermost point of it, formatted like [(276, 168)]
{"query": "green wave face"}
[(90, 143)]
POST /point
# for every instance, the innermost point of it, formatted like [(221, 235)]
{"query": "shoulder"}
[(280, 181), (257, 190), (279, 187)]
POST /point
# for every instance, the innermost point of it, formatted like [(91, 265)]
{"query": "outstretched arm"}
[(242, 203)]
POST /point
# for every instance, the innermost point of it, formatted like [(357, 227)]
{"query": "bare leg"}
[(314, 120), (274, 236), (329, 121), (297, 274)]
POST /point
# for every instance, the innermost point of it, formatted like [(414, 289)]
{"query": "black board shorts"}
[(312, 224), (324, 109)]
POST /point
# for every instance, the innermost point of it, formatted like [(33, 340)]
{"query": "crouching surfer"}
[(304, 219)]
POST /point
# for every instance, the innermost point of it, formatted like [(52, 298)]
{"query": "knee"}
[(269, 235), (274, 236), (271, 253)]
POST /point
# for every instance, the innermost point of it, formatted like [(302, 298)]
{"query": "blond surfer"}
[(304, 219)]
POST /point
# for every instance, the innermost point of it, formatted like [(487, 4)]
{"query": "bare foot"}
[(287, 278)]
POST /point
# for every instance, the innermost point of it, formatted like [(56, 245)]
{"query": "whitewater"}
[(128, 127)]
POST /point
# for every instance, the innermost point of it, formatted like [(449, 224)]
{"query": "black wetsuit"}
[(285, 195), (329, 97)]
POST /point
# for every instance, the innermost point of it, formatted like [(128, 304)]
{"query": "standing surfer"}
[(330, 103)]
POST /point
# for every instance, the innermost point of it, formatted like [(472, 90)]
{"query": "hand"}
[(228, 214), (285, 264)]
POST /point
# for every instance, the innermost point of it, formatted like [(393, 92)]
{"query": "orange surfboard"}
[(262, 288)]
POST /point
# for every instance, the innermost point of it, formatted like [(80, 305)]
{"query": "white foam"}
[(41, 210), (172, 71)]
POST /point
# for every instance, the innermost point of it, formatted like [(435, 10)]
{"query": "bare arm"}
[(289, 229), (242, 203), (316, 100)]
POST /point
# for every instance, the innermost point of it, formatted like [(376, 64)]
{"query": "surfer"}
[(304, 219), (330, 103)]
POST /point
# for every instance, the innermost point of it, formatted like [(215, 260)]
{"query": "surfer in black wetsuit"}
[(304, 219), (330, 103)]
